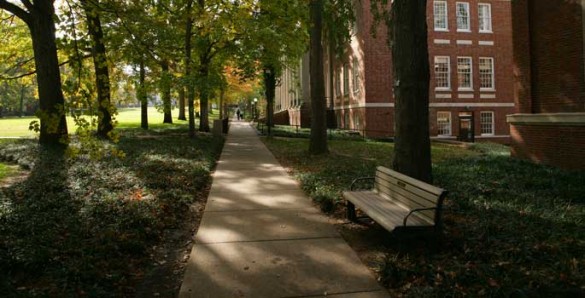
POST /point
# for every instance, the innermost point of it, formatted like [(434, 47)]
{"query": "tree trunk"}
[(318, 139), (102, 75), (182, 103), (221, 103), (21, 108), (166, 92), (270, 83), (52, 103), (203, 97), (142, 96), (190, 86), (412, 150)]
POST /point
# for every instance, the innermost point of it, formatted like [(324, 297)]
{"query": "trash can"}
[(217, 127), (226, 123)]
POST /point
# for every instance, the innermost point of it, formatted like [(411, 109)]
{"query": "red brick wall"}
[(378, 77), (380, 122), (522, 56), (557, 56), (561, 146), (501, 127), (501, 51), (377, 58)]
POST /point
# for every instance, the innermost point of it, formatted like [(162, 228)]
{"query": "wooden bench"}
[(397, 201)]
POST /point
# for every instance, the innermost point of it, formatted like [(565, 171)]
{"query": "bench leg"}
[(351, 211)]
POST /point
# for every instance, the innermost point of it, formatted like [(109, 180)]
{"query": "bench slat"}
[(394, 196), (388, 180), (383, 211), (405, 196), (408, 202), (422, 185)]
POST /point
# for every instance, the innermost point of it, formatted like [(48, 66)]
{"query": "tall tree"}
[(188, 64), (318, 138), (102, 74), (165, 86), (410, 59), (331, 21), (39, 17), (273, 20)]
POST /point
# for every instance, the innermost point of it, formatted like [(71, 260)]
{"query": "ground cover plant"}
[(5, 170), (85, 227), (512, 228)]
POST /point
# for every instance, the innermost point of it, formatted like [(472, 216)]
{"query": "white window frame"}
[(487, 129), (355, 75), (444, 129), (467, 18), (338, 83), (443, 12), (470, 74), (486, 19), (345, 79), (448, 73), (492, 74)]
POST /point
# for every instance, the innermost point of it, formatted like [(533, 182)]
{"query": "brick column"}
[(522, 56)]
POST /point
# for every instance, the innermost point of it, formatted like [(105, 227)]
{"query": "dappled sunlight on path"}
[(260, 235)]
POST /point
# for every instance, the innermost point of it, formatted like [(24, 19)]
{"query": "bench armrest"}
[(416, 210), (358, 180)]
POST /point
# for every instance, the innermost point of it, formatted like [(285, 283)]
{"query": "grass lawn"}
[(4, 171), (104, 228), (127, 118), (512, 228)]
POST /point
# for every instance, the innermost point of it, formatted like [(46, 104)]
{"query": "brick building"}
[(470, 51), (549, 70)]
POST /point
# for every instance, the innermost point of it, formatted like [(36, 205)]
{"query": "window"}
[(444, 123), (355, 76), (464, 73), (463, 22), (487, 123), (356, 121), (440, 13), (346, 119), (442, 72), (486, 73), (345, 79), (485, 17), (338, 84)]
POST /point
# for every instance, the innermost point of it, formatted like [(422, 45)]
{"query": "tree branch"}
[(30, 73), (27, 4), (15, 10)]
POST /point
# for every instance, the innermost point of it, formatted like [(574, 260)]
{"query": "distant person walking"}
[(238, 114)]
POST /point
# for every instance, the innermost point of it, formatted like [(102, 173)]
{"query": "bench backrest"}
[(410, 193)]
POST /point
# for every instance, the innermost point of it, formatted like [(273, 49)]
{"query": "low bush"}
[(79, 226), (512, 228)]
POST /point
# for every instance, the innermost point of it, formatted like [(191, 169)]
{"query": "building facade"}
[(549, 71), (470, 52)]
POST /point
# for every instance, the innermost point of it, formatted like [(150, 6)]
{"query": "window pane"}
[(486, 73), (440, 13), (464, 72), (485, 18), (442, 72), (356, 75), (444, 123), (345, 79), (487, 123), (463, 16)]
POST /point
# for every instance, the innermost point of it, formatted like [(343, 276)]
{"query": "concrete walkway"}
[(260, 236)]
